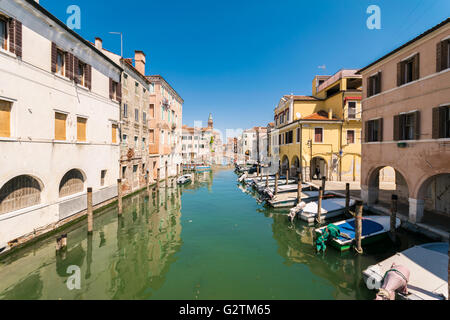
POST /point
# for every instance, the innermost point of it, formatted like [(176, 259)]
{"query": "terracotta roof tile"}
[(321, 115)]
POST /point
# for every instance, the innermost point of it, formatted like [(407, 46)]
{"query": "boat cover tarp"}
[(368, 227), (329, 233)]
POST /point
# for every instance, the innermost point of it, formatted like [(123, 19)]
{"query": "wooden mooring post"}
[(167, 175), (178, 170), (358, 226), (158, 178), (393, 214), (276, 185), (90, 212), (319, 206), (119, 196), (267, 181), (299, 188), (61, 242), (347, 197), (287, 176)]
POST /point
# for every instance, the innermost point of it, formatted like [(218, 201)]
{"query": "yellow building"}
[(323, 130)]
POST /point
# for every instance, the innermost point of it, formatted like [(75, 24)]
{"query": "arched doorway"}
[(295, 166), (383, 182), (284, 164), (322, 165), (435, 192)]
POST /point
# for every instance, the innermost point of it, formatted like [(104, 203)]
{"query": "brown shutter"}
[(119, 92), (88, 76), (12, 45), (380, 129), (18, 38), (396, 127), (67, 64), (417, 125), (416, 64), (54, 56), (436, 123), (379, 82), (75, 70), (438, 56), (369, 92), (366, 131), (399, 74)]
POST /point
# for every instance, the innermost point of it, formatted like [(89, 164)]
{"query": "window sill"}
[(8, 53), (6, 139), (82, 142), (61, 141), (13, 214), (83, 87)]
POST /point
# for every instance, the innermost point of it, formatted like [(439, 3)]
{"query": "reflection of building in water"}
[(126, 258), (200, 180), (296, 246)]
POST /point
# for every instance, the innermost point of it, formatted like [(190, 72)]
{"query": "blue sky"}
[(236, 59)]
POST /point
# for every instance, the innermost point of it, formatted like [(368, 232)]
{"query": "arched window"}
[(71, 183), (18, 193)]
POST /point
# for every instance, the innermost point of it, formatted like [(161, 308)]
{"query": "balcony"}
[(153, 148)]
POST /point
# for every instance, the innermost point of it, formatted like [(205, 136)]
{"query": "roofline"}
[(123, 60), (70, 31), (162, 78), (443, 23)]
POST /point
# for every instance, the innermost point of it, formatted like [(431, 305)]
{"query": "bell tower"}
[(210, 121)]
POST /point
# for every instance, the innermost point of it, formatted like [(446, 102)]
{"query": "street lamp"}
[(121, 42)]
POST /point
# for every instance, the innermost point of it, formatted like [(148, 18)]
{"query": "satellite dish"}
[(298, 115)]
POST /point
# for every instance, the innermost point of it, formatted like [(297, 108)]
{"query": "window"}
[(125, 79), (151, 136), (298, 135), (374, 130), (60, 126), (318, 135), (441, 122), (5, 119), (162, 113), (289, 137), (152, 111), (102, 177), (352, 110), (125, 110), (136, 115), (3, 34), (124, 139), (350, 136), (144, 117), (60, 62), (407, 126), (443, 55), (71, 183), (152, 87), (136, 88), (114, 90), (374, 84), (114, 133), (143, 143), (18, 193), (408, 70), (81, 73), (135, 141), (124, 172), (81, 129)]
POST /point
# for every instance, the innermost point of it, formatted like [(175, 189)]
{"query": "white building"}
[(59, 113)]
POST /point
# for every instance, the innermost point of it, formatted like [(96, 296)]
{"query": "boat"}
[(374, 228), (184, 179), (289, 199), (330, 208), (428, 274), (282, 188), (202, 168)]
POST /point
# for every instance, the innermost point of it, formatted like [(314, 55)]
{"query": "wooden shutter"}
[(436, 123), (5, 119), (380, 129), (417, 125), (54, 55), (439, 56), (18, 38), (378, 82), (114, 133), (119, 92), (88, 76), (396, 127), (60, 126), (366, 131), (416, 66), (67, 65), (11, 34), (399, 73), (81, 129), (76, 76), (369, 87)]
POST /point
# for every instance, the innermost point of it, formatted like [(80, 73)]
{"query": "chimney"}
[(37, 1), (330, 114), (139, 61), (99, 43)]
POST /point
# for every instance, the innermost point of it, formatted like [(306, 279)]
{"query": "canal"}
[(206, 240)]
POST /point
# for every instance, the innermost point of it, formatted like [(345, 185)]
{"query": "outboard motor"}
[(395, 280)]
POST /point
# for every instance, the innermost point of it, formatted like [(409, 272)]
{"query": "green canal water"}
[(207, 240)]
